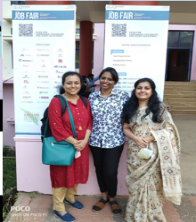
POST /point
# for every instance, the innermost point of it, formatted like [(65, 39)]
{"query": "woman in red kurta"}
[(63, 177)]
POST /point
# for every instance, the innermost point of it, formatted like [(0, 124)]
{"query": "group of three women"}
[(110, 114)]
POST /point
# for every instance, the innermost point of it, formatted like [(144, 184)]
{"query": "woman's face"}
[(72, 84), (143, 91), (106, 81)]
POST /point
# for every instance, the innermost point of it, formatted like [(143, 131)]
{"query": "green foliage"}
[(8, 151), (8, 201), (9, 181), (32, 195), (9, 173), (5, 150)]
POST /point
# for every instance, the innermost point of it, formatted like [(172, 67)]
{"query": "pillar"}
[(86, 47)]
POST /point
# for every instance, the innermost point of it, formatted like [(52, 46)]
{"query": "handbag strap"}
[(71, 121)]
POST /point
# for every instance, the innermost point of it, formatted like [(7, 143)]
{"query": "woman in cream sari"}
[(147, 123)]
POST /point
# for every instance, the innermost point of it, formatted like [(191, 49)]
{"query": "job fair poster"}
[(43, 49), (136, 43)]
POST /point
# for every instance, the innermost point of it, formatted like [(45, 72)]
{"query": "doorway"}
[(179, 56)]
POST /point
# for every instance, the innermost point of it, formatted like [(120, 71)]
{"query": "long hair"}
[(131, 106), (65, 75)]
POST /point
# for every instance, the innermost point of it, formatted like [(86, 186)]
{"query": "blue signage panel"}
[(136, 15), (42, 15)]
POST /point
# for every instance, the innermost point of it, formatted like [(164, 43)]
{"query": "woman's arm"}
[(80, 144), (140, 142)]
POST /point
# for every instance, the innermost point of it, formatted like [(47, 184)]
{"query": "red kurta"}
[(68, 176)]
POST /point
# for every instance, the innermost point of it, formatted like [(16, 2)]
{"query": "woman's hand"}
[(80, 144), (168, 108), (150, 139), (141, 142)]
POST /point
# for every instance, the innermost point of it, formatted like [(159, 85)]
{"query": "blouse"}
[(107, 129)]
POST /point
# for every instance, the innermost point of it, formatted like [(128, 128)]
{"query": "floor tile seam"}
[(188, 205), (193, 203), (173, 209), (176, 209), (174, 216), (193, 218)]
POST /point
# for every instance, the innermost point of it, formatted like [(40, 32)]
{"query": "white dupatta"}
[(168, 142)]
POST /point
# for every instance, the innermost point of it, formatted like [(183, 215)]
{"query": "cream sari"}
[(148, 181)]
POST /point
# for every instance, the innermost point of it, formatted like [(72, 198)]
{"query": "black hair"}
[(65, 75), (112, 71), (90, 75), (131, 106), (83, 78)]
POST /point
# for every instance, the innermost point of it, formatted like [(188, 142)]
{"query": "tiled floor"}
[(41, 210)]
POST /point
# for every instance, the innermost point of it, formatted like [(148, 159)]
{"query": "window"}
[(17, 2), (179, 55)]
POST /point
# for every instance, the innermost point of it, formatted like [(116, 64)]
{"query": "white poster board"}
[(43, 49), (136, 43)]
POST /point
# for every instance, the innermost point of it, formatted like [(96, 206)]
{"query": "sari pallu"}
[(148, 181)]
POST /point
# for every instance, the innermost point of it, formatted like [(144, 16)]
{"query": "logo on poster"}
[(60, 66), (44, 97), (43, 92), (43, 49), (26, 77), (26, 92), (25, 87), (60, 61), (25, 55), (42, 71), (26, 101), (43, 55), (43, 81), (26, 81), (42, 76), (58, 71), (40, 87), (21, 60), (26, 97)]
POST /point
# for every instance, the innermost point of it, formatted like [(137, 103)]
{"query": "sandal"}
[(116, 209), (100, 205)]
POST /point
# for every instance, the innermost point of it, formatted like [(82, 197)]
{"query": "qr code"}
[(119, 30), (26, 30)]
